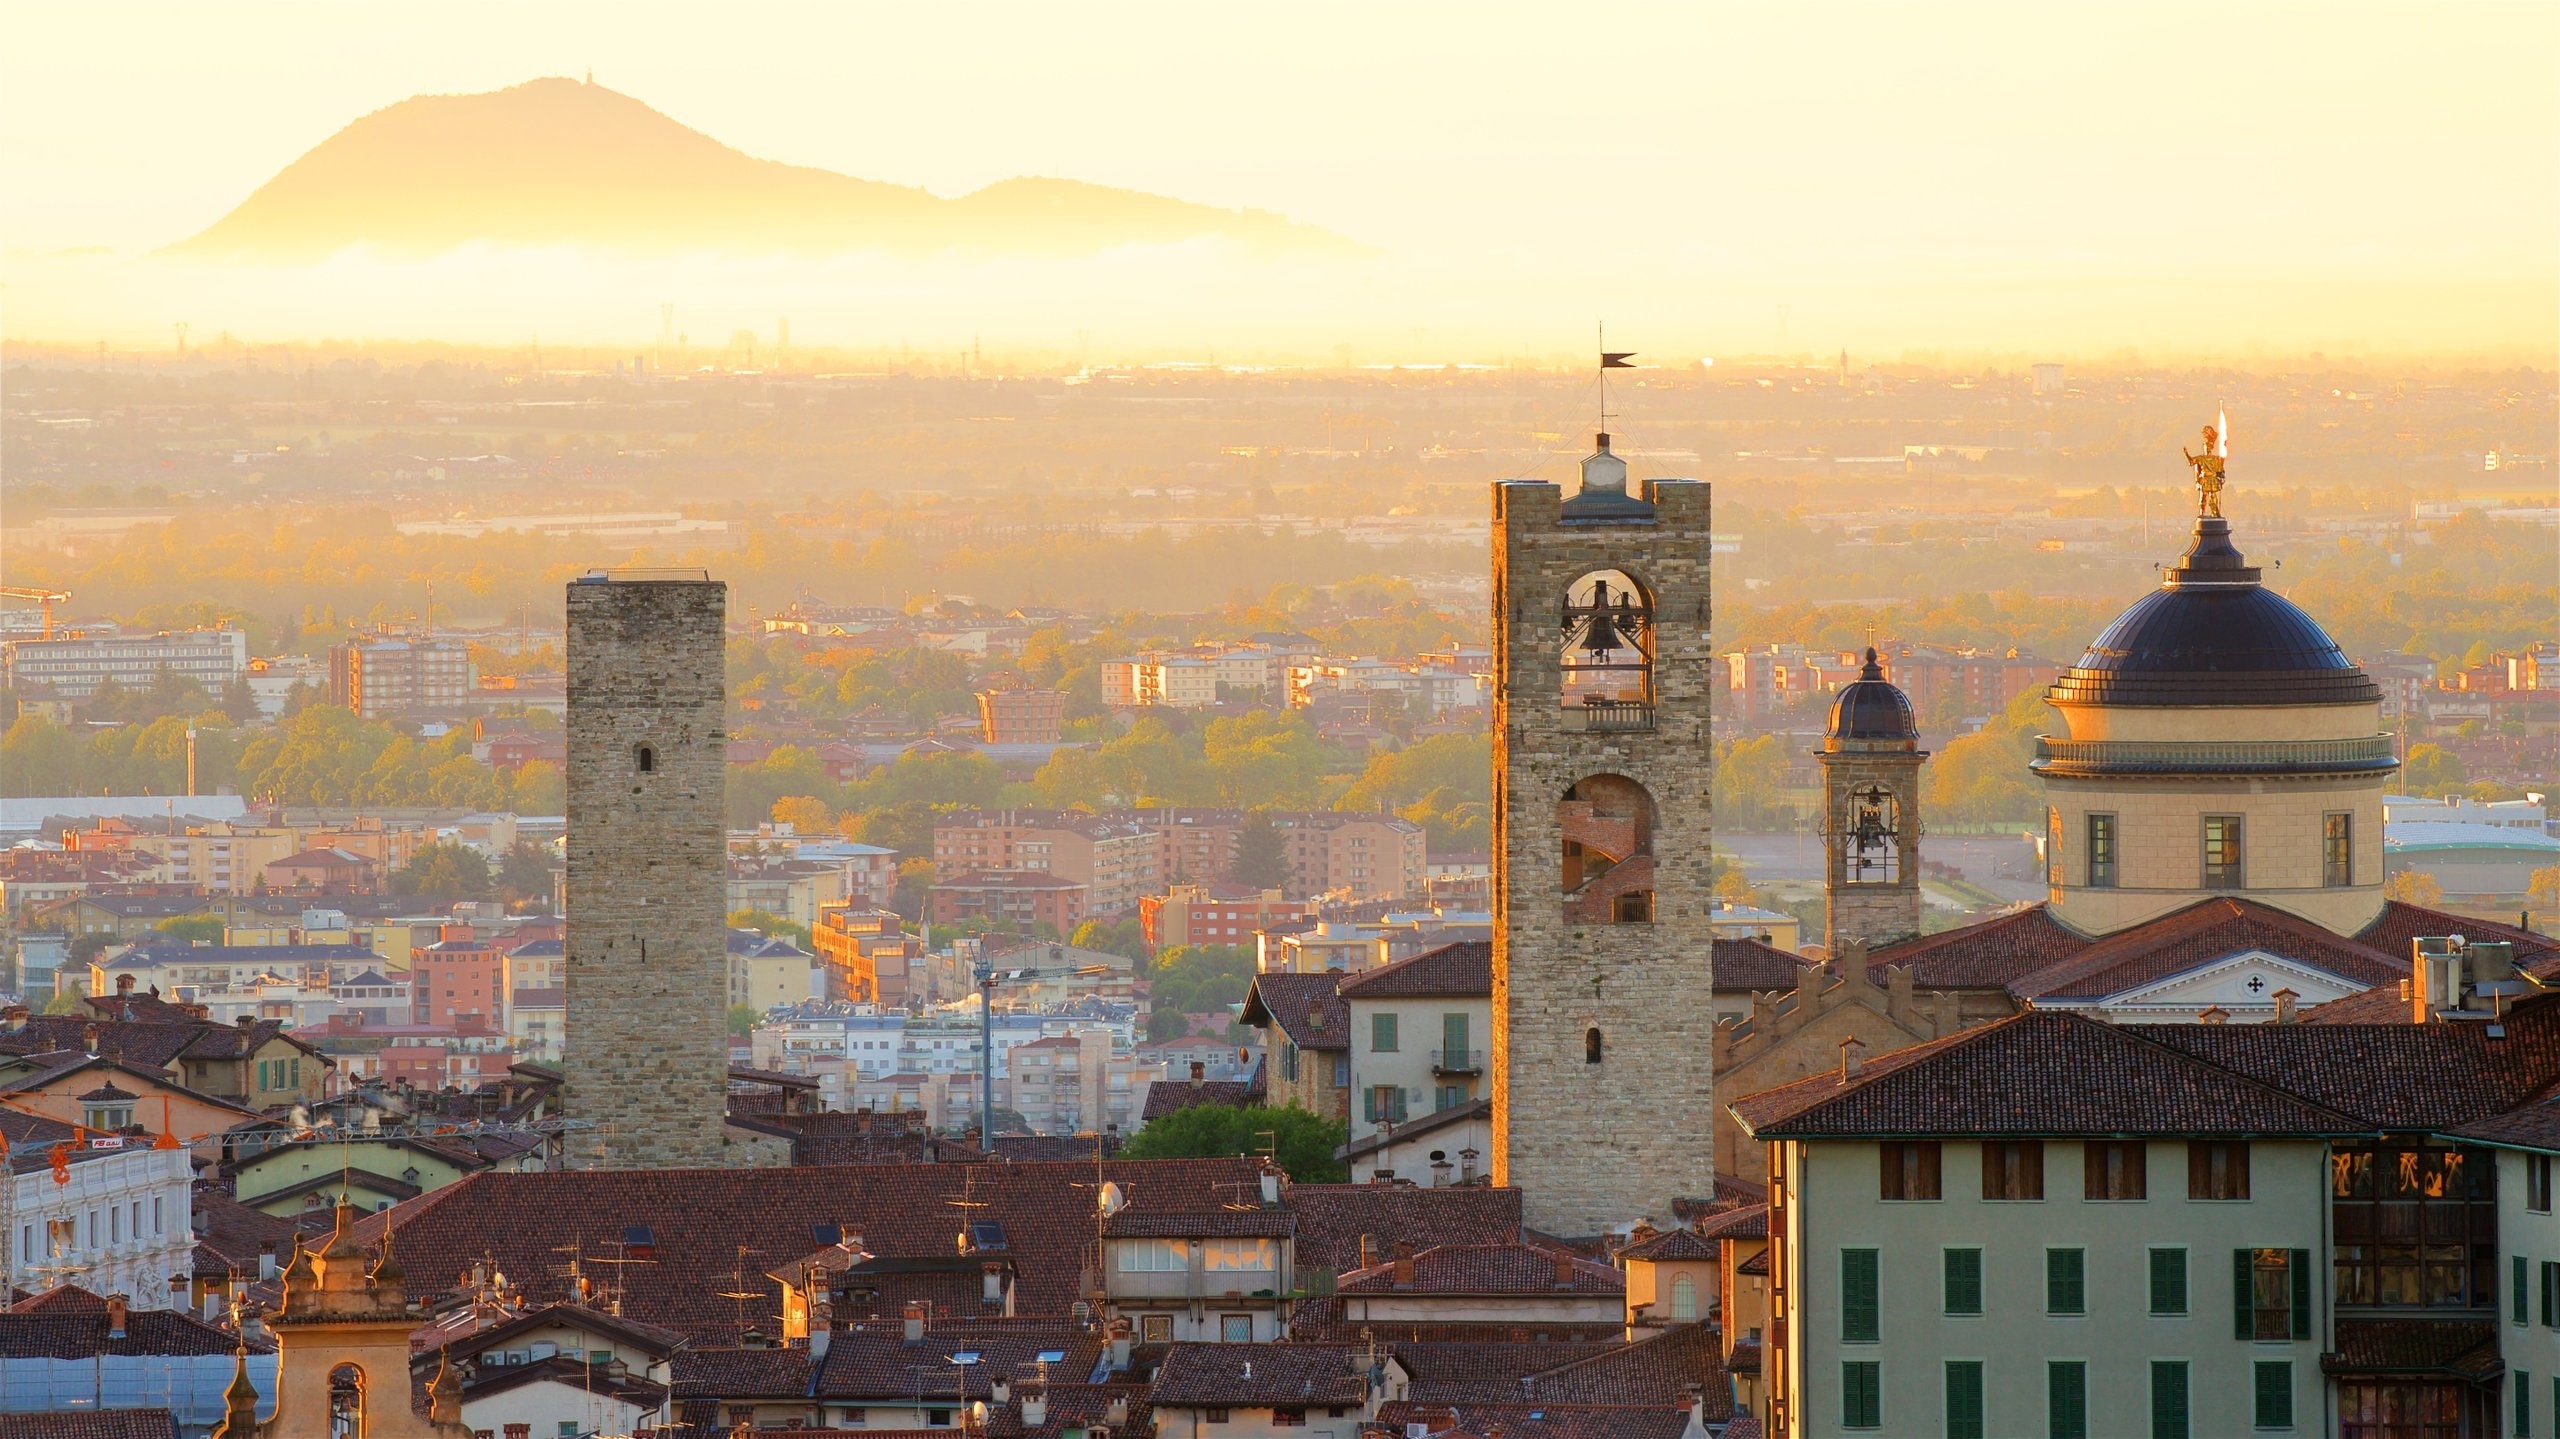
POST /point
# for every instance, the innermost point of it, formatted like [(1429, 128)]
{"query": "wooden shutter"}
[(1860, 1321), (1964, 1397), (2168, 1281), (2066, 1281), (2066, 1399), (2550, 1295), (2299, 1263), (1964, 1281), (2274, 1394), (2168, 1399), (2517, 1283), (2244, 1295)]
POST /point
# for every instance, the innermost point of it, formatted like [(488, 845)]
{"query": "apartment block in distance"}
[(389, 675), (72, 669)]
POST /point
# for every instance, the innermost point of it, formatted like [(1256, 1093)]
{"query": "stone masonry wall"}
[(1597, 1145), (646, 1053), (1875, 913)]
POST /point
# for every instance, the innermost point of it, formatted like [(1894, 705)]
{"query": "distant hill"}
[(556, 162)]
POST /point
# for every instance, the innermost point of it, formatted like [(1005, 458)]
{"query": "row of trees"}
[(320, 756)]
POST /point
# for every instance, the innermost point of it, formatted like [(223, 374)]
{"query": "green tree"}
[(524, 872), (444, 871), (2542, 888), (770, 925), (38, 756), (1304, 1142), (1164, 1024), (2413, 886), (2432, 771), (192, 928), (742, 1019), (1262, 857)]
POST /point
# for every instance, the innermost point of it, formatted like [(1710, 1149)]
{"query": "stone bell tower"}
[(1602, 957), (1871, 813)]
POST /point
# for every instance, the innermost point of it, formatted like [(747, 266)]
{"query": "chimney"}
[(862, 1123), (1440, 1169), (1119, 1346), (115, 1316), (1368, 1251), (1467, 1165), (1116, 1413), (1035, 1409), (15, 1016), (822, 1326), (1852, 1058), (914, 1328), (2437, 968), (991, 1283), (124, 985), (1315, 1016), (1199, 1072), (1270, 1190), (1404, 1264), (2284, 1006), (998, 1390), (1564, 1271)]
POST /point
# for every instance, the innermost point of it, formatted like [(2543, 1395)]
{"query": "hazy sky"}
[(1892, 175)]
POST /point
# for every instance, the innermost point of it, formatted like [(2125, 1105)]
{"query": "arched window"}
[(1684, 1297), (1871, 836), (646, 757), (1605, 823), (1591, 1045), (1607, 654), (346, 1402)]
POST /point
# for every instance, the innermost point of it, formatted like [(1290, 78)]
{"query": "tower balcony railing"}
[(1457, 1061), (1608, 716), (2366, 753)]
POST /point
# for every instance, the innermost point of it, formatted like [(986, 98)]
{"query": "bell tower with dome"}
[(2214, 741), (1870, 813)]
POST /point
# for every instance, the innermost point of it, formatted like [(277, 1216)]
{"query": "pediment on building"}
[(2244, 983)]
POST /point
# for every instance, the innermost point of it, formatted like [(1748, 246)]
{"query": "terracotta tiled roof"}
[(1455, 1116), (1749, 1222), (1292, 1000), (575, 1372), (1483, 1372), (94, 1424), (69, 1322), (1658, 1370), (2042, 1073), (1538, 1421), (2457, 1348), (1332, 1217), (1321, 1321), (1238, 1376), (2391, 934), (2390, 1076), (730, 1373), (2201, 934), (2535, 1124), (1463, 970), (880, 1367), (1487, 1269), (1983, 956), (700, 1219), (1680, 1245), (1750, 966), (1173, 1095), (1756, 1264), (230, 1235)]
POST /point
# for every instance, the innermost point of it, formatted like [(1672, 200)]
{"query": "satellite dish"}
[(1112, 1201)]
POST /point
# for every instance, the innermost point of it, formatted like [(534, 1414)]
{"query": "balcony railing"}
[(1600, 716), (1457, 1061), (2300, 756)]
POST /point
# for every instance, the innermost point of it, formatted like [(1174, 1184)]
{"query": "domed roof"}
[(2212, 635), (1872, 707)]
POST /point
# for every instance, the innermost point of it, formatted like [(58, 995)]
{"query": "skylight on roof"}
[(1052, 1356), (965, 1356)]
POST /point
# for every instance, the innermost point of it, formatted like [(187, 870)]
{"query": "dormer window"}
[(108, 1116)]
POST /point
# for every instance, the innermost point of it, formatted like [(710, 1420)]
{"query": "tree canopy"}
[(1305, 1142)]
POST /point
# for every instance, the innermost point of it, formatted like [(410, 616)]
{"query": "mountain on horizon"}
[(557, 162)]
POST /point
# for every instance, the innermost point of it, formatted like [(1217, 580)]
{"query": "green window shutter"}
[(1453, 1038), (2169, 1399), (1964, 1398), (1964, 1281), (1860, 1321), (2243, 1295), (2524, 1405), (1861, 1394), (2066, 1281), (1382, 1033), (2517, 1283), (2066, 1399), (2298, 1264), (2275, 1394), (2168, 1281), (2550, 1295)]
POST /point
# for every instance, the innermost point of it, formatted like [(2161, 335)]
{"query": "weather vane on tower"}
[(2208, 466)]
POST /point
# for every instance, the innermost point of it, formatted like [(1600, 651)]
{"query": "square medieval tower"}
[(647, 1053), (1602, 956)]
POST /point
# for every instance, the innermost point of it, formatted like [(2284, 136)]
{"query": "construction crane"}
[(988, 978), (45, 599)]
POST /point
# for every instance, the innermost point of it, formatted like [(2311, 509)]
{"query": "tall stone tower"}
[(1602, 957), (1871, 813), (646, 1054)]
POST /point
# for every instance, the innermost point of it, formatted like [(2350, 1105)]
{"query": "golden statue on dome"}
[(2208, 467)]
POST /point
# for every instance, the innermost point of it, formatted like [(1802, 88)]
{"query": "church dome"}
[(1872, 708), (2212, 635)]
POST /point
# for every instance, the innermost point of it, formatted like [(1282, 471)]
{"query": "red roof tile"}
[(1748, 965), (2198, 935), (1241, 1376), (1308, 1008), (1984, 956), (1508, 1269), (1463, 970), (93, 1424), (1332, 1218)]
